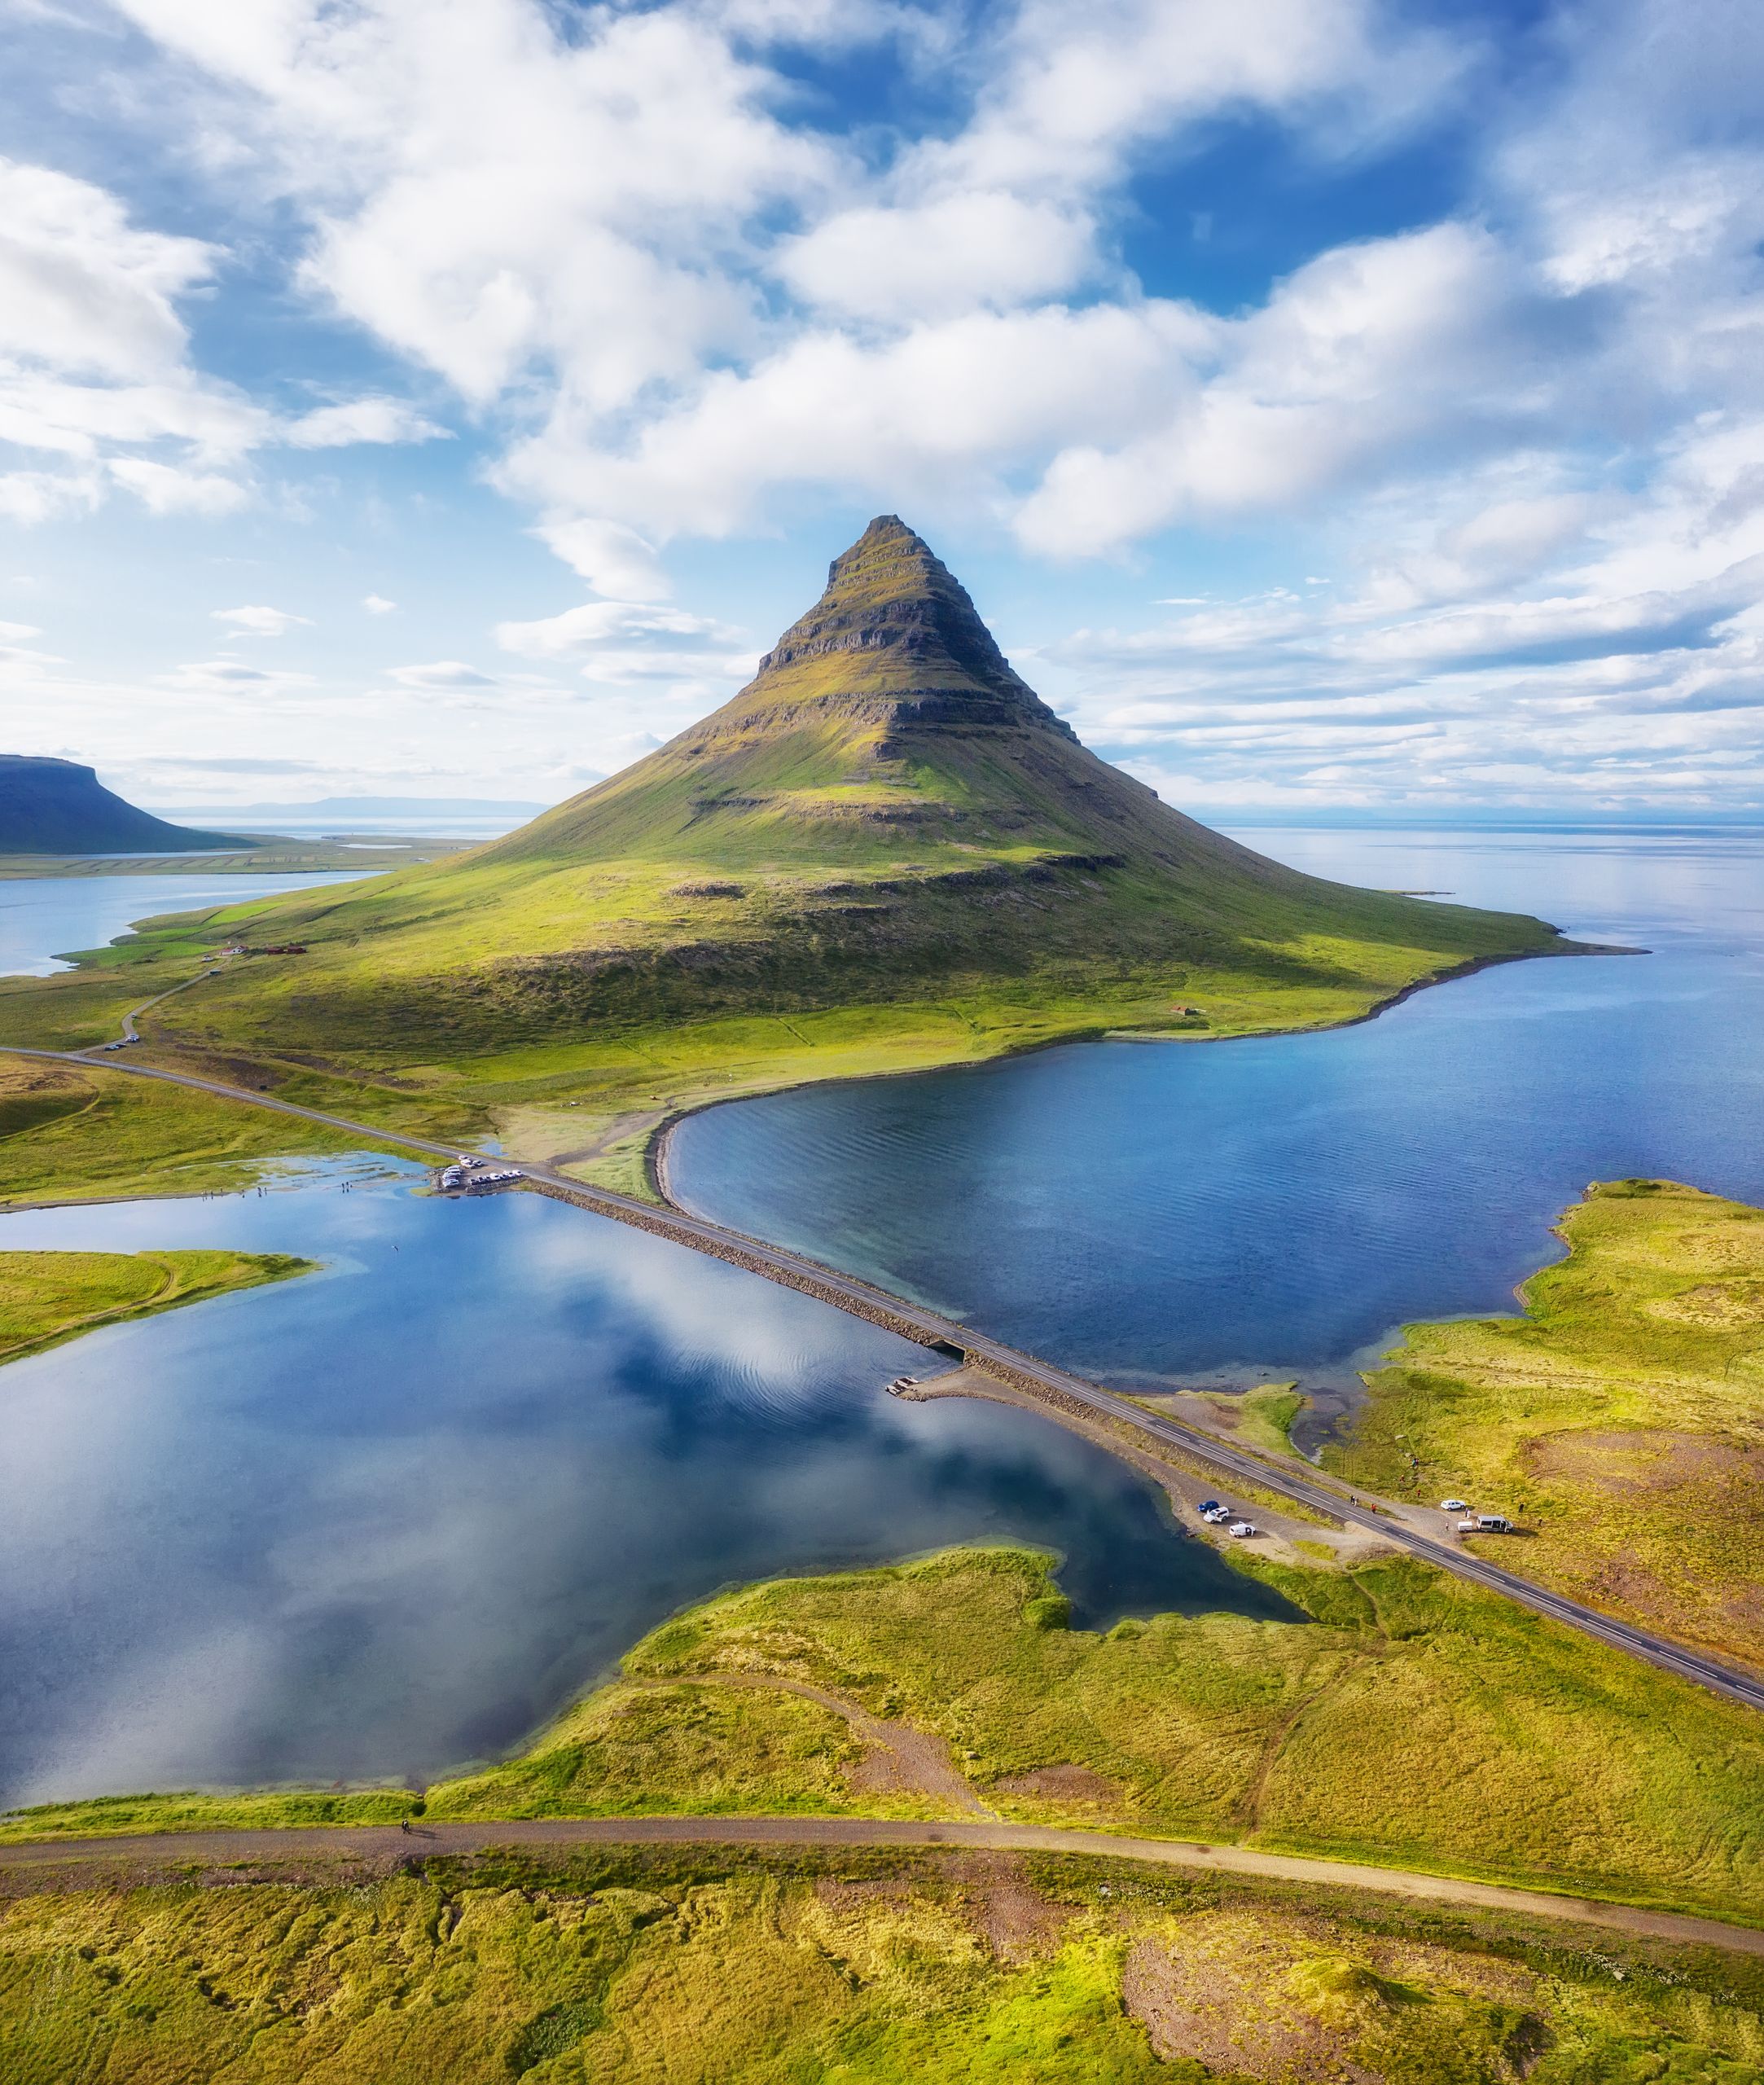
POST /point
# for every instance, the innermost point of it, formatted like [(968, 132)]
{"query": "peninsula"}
[(1619, 1418), (886, 852), (49, 1296)]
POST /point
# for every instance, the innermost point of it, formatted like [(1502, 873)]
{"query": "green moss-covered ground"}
[(73, 1133), (47, 1298), (1417, 1722), (1621, 1420), (657, 1970), (628, 1750), (1414, 1722)]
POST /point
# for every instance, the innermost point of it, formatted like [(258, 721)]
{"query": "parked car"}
[(1242, 1528), (1454, 1505)]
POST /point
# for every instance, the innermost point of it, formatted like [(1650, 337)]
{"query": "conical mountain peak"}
[(894, 627), (885, 819)]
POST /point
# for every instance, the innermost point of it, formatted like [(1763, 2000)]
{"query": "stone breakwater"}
[(855, 1301), (940, 1335)]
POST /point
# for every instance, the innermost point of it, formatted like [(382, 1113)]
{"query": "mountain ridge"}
[(51, 806)]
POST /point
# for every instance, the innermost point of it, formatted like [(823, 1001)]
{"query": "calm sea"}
[(1155, 1211)]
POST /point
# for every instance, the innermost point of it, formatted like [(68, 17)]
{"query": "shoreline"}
[(656, 1164)]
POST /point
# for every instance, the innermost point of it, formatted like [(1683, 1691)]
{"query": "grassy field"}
[(590, 1093), (69, 1133), (1414, 1722), (47, 1298), (666, 1969), (1621, 1420), (1418, 1723), (703, 1750)]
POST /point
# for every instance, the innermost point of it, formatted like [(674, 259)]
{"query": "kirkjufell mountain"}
[(886, 815), (885, 716)]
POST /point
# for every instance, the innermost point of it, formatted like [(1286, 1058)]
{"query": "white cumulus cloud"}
[(260, 620), (382, 420)]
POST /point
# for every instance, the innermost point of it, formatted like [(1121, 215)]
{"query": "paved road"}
[(796, 1270), (151, 1854)]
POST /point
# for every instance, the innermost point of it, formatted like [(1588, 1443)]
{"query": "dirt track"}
[(114, 1862)]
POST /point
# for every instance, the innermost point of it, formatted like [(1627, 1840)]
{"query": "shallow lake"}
[(385, 1519), (1151, 1211), (44, 918)]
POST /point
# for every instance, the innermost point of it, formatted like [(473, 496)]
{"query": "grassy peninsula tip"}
[(50, 1297), (1621, 1419)]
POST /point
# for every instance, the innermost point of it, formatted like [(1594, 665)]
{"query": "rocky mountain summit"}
[(889, 708), (897, 631)]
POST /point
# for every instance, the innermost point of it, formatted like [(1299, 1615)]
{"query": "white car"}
[(1242, 1528), (1454, 1505)]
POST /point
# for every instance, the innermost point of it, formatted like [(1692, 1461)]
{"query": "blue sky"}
[(1329, 403)]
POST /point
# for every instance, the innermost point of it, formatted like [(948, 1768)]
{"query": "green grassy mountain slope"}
[(58, 807), (886, 851)]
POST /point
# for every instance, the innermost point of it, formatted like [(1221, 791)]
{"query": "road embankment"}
[(113, 1863)]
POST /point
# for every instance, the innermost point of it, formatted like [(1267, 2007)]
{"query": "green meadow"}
[(47, 1298), (639, 1969), (1620, 1420), (437, 1001), (72, 1132)]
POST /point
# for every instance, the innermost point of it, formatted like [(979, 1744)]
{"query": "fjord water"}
[(384, 1519), (44, 918), (1157, 1211)]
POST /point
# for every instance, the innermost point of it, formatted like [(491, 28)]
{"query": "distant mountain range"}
[(58, 807), (337, 808)]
